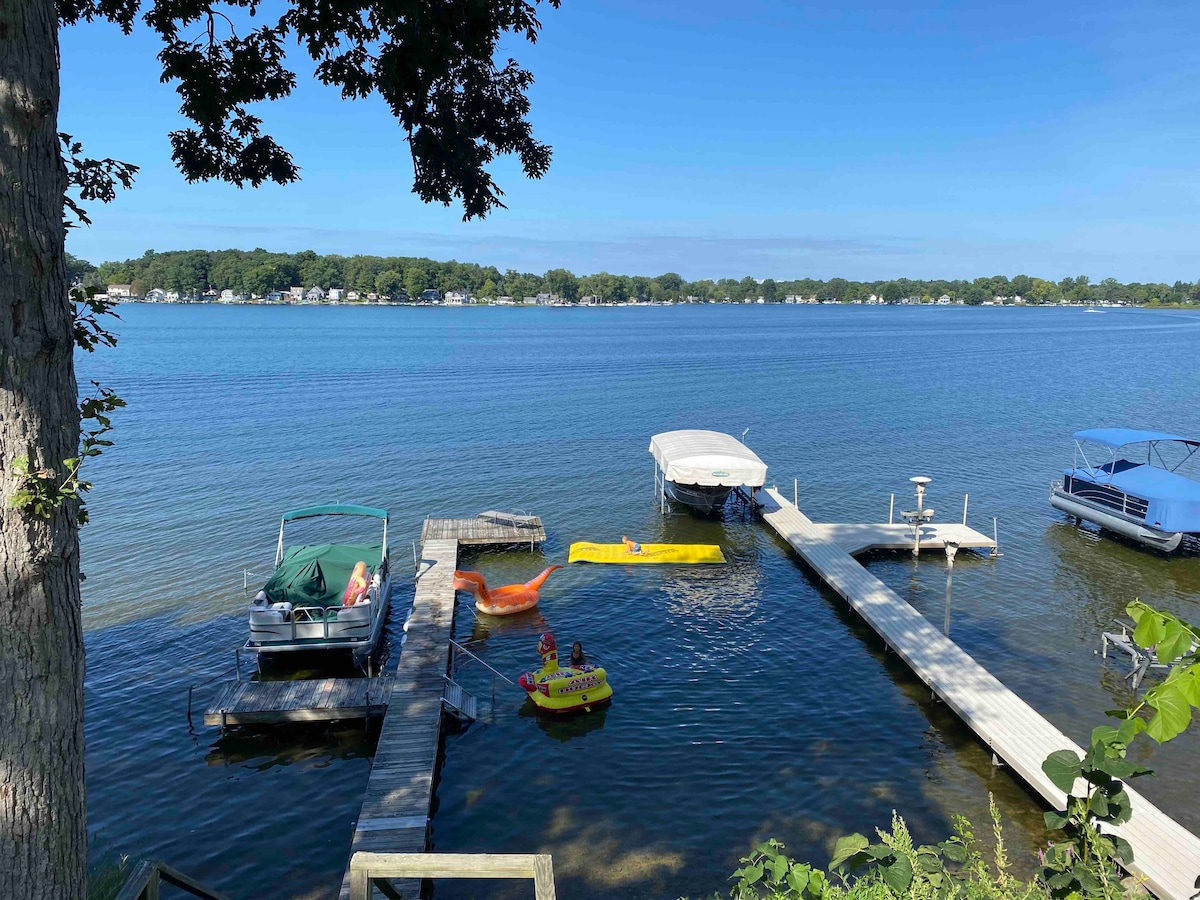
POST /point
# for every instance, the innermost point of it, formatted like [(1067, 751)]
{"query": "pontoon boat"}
[(300, 607), (701, 468), (1139, 484)]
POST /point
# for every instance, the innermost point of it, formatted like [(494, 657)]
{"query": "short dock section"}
[(1166, 855), (307, 700), (486, 528), (856, 539)]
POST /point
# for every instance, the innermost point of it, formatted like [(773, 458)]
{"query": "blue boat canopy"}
[(335, 509), (1172, 501), (1119, 437)]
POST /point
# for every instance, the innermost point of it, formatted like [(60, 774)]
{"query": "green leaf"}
[(1122, 849), (899, 874), (954, 851), (846, 847), (1061, 880), (1063, 767), (1131, 728), (779, 868), (797, 879), (1173, 711), (1056, 820), (1119, 808), (1150, 630), (1176, 641), (754, 873), (1105, 735), (929, 862), (1098, 804)]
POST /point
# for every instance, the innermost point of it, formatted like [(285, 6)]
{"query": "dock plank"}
[(1166, 855)]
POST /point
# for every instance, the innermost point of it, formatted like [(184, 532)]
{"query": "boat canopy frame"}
[(1114, 440), (332, 509)]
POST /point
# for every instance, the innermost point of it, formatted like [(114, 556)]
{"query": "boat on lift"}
[(1138, 484), (701, 468), (308, 603)]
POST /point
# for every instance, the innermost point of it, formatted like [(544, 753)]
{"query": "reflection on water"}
[(567, 726), (749, 702)]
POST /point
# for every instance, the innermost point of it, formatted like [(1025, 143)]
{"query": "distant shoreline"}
[(565, 305)]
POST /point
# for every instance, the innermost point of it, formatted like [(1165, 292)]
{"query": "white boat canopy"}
[(707, 458)]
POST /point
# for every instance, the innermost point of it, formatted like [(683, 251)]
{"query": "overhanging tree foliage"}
[(434, 62)]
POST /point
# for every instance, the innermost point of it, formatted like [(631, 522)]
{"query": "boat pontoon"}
[(300, 607), (1139, 484), (701, 468)]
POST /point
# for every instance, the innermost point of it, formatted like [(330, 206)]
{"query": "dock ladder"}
[(461, 704)]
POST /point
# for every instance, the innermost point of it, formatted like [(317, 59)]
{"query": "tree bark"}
[(43, 823)]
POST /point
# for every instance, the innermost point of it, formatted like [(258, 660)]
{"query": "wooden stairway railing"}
[(144, 883), (366, 868)]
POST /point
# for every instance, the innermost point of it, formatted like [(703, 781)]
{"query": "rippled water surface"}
[(749, 701)]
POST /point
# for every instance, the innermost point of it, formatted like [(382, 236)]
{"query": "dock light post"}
[(919, 516)]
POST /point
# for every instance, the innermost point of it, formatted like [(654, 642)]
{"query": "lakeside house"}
[(353, 296), (273, 297), (430, 295), (120, 291), (156, 295), (296, 293), (335, 294), (314, 295), (210, 296), (226, 296), (457, 298), (171, 297)]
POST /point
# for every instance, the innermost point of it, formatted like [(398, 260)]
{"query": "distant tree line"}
[(260, 272)]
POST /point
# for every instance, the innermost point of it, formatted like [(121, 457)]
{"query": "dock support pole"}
[(965, 509), (891, 509), (796, 492)]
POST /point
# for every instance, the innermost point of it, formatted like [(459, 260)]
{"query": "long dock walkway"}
[(1165, 853), (395, 811)]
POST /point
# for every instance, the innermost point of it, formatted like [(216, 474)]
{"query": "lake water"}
[(748, 701)]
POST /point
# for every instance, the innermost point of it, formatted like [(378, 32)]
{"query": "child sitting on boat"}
[(356, 588)]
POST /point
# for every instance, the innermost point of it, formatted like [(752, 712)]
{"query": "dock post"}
[(965, 509), (891, 509), (796, 492)]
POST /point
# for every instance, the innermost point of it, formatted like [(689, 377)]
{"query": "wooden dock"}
[(486, 528), (1166, 855), (395, 811), (856, 539), (307, 700)]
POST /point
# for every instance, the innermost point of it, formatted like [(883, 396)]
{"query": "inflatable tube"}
[(565, 689), (502, 601)]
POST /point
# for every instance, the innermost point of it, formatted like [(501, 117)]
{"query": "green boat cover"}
[(317, 574)]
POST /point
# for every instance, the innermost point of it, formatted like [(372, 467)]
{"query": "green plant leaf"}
[(1098, 804), (779, 868), (846, 847), (1176, 641), (929, 862), (1150, 630), (1173, 711), (1131, 728), (1057, 820), (1122, 849), (954, 851), (753, 873), (1119, 808), (898, 875), (1063, 767), (797, 879)]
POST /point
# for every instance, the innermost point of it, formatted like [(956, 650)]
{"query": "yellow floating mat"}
[(650, 553)]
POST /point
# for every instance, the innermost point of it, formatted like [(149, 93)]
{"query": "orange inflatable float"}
[(501, 601)]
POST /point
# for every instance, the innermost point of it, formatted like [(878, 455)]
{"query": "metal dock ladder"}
[(462, 705)]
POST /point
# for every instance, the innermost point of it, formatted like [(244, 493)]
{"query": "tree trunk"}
[(43, 824)]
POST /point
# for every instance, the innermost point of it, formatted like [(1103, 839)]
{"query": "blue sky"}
[(865, 140)]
